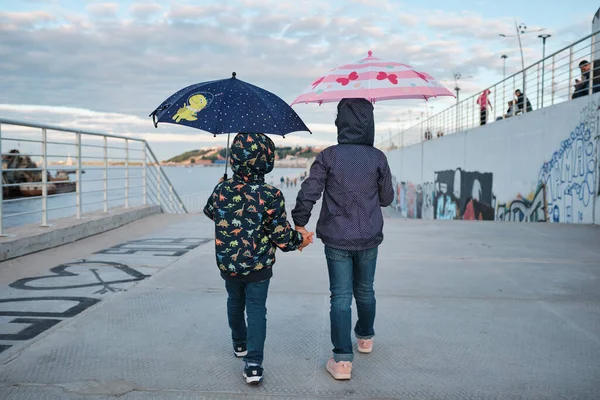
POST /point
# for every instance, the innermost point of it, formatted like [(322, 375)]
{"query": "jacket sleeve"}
[(310, 191), (277, 226), (211, 203), (386, 188)]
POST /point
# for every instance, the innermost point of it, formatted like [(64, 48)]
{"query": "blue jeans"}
[(350, 272), (251, 296)]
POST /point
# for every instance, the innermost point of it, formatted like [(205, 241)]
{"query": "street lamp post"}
[(504, 57), (543, 36)]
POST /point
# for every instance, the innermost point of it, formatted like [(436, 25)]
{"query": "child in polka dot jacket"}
[(355, 180), (250, 223)]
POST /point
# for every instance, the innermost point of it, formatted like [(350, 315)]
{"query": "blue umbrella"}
[(229, 106)]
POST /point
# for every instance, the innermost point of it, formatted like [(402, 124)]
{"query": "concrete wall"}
[(542, 166)]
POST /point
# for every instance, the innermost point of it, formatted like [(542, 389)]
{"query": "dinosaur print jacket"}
[(250, 218)]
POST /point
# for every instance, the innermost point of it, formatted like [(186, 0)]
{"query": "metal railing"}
[(549, 81), (109, 171), (195, 202)]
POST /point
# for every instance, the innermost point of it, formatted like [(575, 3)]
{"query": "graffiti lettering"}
[(157, 246), (524, 210), (72, 280)]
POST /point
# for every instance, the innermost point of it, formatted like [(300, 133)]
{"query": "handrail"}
[(116, 190), (547, 82), (167, 178), (547, 58), (61, 129)]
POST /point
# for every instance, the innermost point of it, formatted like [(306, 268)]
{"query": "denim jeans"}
[(350, 273), (251, 296)]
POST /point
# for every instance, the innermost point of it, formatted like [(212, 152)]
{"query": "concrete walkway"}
[(466, 310)]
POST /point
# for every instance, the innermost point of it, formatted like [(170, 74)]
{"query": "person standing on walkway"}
[(484, 102), (250, 223), (356, 180)]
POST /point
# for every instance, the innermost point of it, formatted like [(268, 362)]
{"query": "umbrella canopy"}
[(373, 79), (229, 106)]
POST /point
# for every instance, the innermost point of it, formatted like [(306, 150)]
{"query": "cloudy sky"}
[(104, 66)]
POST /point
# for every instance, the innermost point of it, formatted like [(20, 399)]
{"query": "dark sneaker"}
[(240, 350), (253, 374)]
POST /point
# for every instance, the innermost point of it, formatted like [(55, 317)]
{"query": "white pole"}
[(105, 174), (78, 172), (126, 173), (145, 177), (44, 179)]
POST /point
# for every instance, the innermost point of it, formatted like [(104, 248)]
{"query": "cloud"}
[(144, 10), (123, 67), (103, 10), (10, 21)]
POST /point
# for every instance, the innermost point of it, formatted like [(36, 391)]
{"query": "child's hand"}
[(307, 237)]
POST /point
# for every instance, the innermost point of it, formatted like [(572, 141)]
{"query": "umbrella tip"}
[(370, 53), (233, 74)]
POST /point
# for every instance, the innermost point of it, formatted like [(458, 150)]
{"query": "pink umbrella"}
[(373, 79)]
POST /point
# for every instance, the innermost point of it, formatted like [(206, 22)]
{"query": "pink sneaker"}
[(365, 345), (339, 370)]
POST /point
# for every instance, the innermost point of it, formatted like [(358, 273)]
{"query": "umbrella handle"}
[(226, 157)]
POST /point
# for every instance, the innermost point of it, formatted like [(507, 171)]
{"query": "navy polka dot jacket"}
[(355, 180)]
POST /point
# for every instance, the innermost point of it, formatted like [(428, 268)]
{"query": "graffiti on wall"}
[(566, 182), (532, 208), (463, 195), (455, 194), (413, 200), (570, 174)]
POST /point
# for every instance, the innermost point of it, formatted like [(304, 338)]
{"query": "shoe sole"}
[(240, 354), (336, 375), (361, 350), (253, 379)]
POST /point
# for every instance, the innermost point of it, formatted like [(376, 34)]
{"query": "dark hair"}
[(584, 62), (518, 90)]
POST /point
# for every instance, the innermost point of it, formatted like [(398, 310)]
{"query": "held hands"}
[(307, 237)]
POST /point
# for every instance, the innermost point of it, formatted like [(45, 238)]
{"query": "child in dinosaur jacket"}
[(250, 222)]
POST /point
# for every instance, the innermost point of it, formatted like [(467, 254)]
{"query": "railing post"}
[(105, 152), (473, 111), (1, 188), (504, 102), (592, 65), (145, 176), (456, 117), (78, 172), (538, 88), (44, 179), (126, 173), (495, 105), (570, 84), (524, 92), (158, 179)]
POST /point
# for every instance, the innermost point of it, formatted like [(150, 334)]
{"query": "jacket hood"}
[(355, 122), (252, 156)]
